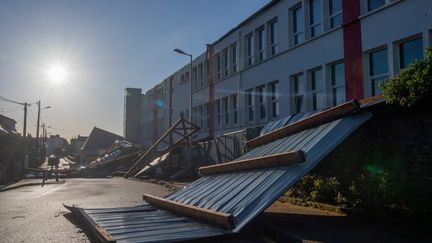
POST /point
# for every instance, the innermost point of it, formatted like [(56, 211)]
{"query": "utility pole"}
[(37, 132), (25, 121)]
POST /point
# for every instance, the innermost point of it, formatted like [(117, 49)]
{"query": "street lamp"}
[(190, 78), (37, 127)]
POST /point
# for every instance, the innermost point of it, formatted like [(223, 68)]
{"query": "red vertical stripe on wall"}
[(352, 49)]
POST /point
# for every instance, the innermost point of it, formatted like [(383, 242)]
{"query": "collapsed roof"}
[(230, 195)]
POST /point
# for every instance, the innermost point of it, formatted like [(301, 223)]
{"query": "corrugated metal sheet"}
[(146, 223), (243, 194), (271, 126)]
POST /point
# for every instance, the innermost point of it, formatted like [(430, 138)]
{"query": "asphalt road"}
[(36, 214)]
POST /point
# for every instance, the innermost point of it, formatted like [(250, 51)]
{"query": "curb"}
[(11, 187)]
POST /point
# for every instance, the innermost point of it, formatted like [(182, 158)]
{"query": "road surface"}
[(36, 214)]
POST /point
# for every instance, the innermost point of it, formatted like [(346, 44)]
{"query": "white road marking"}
[(52, 190)]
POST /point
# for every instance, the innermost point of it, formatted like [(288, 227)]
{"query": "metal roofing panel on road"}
[(243, 194)]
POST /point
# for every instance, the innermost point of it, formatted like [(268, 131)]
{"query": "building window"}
[(195, 78), (182, 78), (338, 83), (218, 113), (261, 102), (299, 93), (225, 61), (218, 64), (201, 74), (194, 116), (205, 115), (186, 76), (233, 48), (234, 108), (273, 37), (315, 17), (373, 4), (200, 116), (249, 50), (226, 110), (274, 98), (378, 70), (250, 104), (317, 89), (298, 24), (335, 13), (410, 51), (261, 43)]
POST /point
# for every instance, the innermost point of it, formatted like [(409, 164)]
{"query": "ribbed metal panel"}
[(271, 126), (243, 194), (247, 193), (146, 223)]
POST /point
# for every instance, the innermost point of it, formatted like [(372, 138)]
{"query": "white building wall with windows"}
[(311, 47)]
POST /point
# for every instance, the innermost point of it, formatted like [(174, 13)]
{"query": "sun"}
[(57, 73)]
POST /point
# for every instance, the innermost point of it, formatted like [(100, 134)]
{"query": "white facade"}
[(291, 56)]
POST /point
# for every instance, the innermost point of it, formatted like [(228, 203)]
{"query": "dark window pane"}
[(336, 21), (338, 74), (378, 62), (335, 6), (410, 51), (376, 89), (315, 11), (373, 4), (298, 19)]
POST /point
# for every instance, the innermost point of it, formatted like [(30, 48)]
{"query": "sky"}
[(104, 46)]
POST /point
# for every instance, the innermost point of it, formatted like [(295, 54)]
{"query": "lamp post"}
[(37, 127), (190, 77)]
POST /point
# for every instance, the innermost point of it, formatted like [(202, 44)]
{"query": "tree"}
[(413, 85)]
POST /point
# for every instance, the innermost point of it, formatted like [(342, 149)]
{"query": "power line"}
[(15, 102)]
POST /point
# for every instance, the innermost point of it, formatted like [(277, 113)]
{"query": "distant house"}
[(97, 142), (7, 125), (56, 144), (76, 144)]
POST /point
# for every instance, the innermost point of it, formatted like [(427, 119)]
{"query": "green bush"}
[(318, 189), (413, 85)]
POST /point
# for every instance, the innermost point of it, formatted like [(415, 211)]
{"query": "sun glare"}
[(57, 73)]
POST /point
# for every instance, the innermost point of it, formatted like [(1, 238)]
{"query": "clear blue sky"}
[(105, 46)]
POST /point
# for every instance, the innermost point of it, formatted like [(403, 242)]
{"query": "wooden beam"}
[(372, 100), (210, 216), (306, 123), (288, 158)]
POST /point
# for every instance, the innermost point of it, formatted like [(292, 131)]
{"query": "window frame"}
[(334, 15), (260, 43), (297, 31), (313, 25), (234, 108), (234, 57), (261, 95), (249, 49), (273, 35), (373, 78), (273, 88), (335, 86), (225, 61), (314, 90), (250, 104), (297, 95)]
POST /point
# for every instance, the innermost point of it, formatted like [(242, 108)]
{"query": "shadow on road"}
[(80, 227)]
